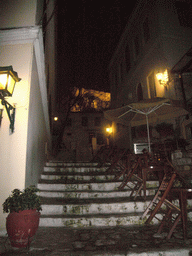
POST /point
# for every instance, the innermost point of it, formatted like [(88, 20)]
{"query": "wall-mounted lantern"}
[(163, 77), (109, 130), (8, 79)]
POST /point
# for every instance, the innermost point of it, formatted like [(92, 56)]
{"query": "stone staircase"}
[(83, 195)]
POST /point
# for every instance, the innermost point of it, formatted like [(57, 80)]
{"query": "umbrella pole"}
[(148, 135)]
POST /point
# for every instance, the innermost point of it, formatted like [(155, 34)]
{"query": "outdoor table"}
[(182, 194)]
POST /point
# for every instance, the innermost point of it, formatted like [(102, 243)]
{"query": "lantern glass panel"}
[(3, 81), (11, 84)]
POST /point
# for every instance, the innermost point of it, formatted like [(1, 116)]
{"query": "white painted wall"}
[(37, 134), (22, 154), (13, 146)]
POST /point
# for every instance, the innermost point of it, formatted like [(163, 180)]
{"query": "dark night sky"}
[(89, 32)]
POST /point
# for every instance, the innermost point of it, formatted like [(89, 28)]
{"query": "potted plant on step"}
[(23, 219)]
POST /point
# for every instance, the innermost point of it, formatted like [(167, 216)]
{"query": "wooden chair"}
[(123, 167), (133, 176), (160, 196), (104, 155), (118, 160), (172, 214), (100, 154), (169, 219)]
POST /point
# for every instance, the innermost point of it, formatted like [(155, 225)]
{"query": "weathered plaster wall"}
[(37, 135), (13, 146)]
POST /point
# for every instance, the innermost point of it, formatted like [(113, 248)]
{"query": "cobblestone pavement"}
[(101, 241)]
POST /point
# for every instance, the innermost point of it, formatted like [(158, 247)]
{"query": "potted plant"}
[(23, 219)]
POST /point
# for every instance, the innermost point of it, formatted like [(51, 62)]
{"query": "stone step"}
[(75, 206), (91, 206), (84, 195), (90, 194), (74, 169), (71, 164), (86, 186), (107, 216), (93, 220), (77, 177), (97, 220)]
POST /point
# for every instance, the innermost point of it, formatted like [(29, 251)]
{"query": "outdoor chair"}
[(159, 197), (172, 213), (172, 216), (118, 160), (100, 154), (104, 155), (124, 166), (133, 177)]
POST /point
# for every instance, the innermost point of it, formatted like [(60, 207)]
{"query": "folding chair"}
[(172, 214), (100, 154), (169, 218), (118, 160), (133, 179), (160, 196), (123, 167), (103, 155)]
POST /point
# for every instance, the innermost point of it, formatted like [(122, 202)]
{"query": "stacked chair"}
[(133, 175), (134, 170), (170, 214)]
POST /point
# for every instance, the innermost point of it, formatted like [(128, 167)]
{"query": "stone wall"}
[(182, 161)]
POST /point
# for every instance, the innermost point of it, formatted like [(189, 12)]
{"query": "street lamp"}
[(109, 131), (8, 79)]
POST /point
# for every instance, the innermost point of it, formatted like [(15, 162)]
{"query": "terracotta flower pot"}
[(21, 227)]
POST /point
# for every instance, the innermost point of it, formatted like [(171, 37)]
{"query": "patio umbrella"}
[(146, 112)]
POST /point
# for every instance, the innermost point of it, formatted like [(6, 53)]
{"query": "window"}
[(84, 121), (139, 92), (146, 31), (69, 122), (97, 121), (137, 45), (151, 83), (127, 58), (184, 11), (100, 139)]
